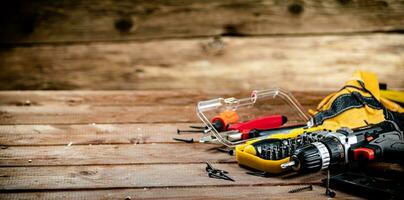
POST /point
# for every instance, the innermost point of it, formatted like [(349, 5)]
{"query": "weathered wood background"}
[(165, 55), (209, 45), (63, 145)]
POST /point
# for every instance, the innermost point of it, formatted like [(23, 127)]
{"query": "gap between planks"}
[(112, 155), (136, 176), (85, 114), (93, 134)]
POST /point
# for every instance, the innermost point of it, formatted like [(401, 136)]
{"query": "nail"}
[(184, 140)]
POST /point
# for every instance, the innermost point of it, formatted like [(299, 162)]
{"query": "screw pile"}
[(217, 173)]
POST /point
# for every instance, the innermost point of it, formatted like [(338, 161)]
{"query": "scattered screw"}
[(259, 173), (328, 191), (210, 168), (30, 161), (128, 198), (300, 189), (198, 127), (184, 140), (189, 131), (217, 173), (226, 150)]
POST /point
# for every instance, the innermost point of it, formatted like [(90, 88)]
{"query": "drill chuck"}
[(316, 156), (310, 158)]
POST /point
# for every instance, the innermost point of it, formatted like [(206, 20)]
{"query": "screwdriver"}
[(255, 128), (266, 122), (225, 122), (263, 132), (220, 122)]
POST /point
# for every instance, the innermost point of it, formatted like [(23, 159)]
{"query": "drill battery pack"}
[(368, 186)]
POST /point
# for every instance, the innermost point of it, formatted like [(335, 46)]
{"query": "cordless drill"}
[(379, 142)]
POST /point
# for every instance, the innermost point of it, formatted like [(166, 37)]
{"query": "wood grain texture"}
[(107, 98), (14, 110), (135, 176), (112, 154), (294, 63), (66, 21), (132, 158), (56, 114), (135, 97), (85, 114), (85, 134), (51, 134), (200, 193)]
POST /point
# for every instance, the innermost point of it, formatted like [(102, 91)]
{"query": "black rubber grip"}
[(393, 151)]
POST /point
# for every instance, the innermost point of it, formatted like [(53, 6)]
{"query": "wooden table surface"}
[(118, 145)]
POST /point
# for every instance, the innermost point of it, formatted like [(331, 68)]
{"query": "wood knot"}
[(295, 9), (124, 25), (344, 2), (383, 4), (214, 47), (231, 30), (87, 173)]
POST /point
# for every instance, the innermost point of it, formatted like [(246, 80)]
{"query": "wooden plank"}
[(64, 21), (36, 135), (237, 64), (112, 154), (85, 114), (104, 98), (56, 114), (135, 176), (223, 192), (134, 97), (118, 107)]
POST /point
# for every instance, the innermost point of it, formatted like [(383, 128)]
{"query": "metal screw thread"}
[(310, 187)]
